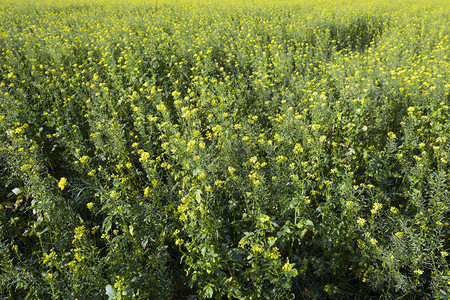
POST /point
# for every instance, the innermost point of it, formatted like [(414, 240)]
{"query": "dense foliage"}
[(243, 150)]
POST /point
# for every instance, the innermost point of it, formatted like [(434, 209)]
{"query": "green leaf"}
[(198, 196), (303, 232), (209, 291), (309, 224), (294, 202), (107, 224), (111, 292)]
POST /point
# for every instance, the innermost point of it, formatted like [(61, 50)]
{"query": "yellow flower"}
[(294, 177), (144, 157), (264, 218), (71, 264), (25, 167), (217, 128), (271, 240), (297, 149), (161, 107), (399, 234), (392, 135), (281, 158), (274, 253), (190, 145), (146, 191), (287, 267), (361, 221), (394, 209), (79, 232), (201, 174), (48, 258), (418, 271), (257, 249), (361, 244), (90, 205), (376, 207), (62, 183)]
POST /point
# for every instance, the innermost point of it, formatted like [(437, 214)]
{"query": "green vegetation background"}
[(244, 150)]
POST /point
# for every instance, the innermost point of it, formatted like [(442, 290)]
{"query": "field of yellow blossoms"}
[(238, 149)]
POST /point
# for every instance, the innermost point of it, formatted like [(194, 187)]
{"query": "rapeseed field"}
[(244, 149)]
